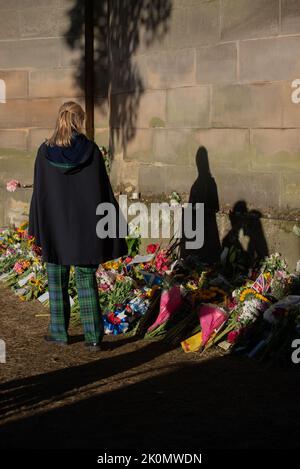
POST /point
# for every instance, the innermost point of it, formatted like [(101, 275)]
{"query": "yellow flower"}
[(151, 292), (191, 286), (120, 277), (23, 226), (109, 265), (246, 292), (261, 297)]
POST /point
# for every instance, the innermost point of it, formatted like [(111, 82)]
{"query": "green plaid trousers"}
[(87, 289)]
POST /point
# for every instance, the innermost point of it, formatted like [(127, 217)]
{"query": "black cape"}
[(69, 184)]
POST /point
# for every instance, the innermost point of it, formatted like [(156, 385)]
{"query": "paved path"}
[(135, 394)]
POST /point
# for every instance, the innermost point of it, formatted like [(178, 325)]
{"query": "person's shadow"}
[(244, 222), (204, 190), (257, 248)]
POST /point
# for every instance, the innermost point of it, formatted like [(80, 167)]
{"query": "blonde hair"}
[(70, 118)]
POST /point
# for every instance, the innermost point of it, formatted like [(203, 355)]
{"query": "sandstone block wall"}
[(169, 79), (220, 77), (41, 64)]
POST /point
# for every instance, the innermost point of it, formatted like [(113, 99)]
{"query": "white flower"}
[(250, 311)]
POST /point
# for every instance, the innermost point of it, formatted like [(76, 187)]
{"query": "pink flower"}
[(12, 185), (18, 268), (161, 262), (128, 259), (170, 301), (280, 274), (152, 248)]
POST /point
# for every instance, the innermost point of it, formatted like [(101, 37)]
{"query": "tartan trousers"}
[(87, 289)]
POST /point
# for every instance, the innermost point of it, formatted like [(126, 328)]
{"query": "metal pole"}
[(89, 67)]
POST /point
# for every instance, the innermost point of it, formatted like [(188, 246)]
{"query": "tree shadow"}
[(219, 403), (204, 190), (107, 61)]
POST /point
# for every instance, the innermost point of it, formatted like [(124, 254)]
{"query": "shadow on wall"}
[(244, 223), (204, 190), (120, 27)]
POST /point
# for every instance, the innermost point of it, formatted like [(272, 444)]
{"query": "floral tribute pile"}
[(179, 301)]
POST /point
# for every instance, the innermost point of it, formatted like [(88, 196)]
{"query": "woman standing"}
[(70, 181)]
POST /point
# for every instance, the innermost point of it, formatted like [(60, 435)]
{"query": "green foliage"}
[(107, 158), (133, 245), (120, 293)]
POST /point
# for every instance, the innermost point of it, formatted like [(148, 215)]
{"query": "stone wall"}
[(220, 77), (42, 65), (170, 77)]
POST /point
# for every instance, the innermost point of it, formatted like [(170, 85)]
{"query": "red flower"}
[(231, 303), (113, 318), (233, 336), (152, 248), (128, 259), (36, 249)]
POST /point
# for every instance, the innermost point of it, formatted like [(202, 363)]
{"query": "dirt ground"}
[(135, 394)]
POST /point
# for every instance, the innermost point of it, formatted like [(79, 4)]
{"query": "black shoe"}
[(49, 338), (93, 346)]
